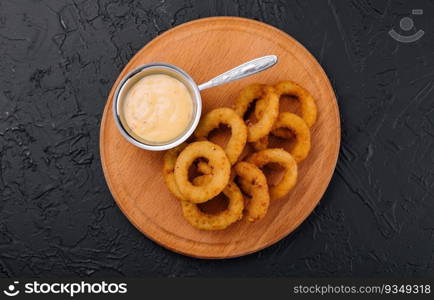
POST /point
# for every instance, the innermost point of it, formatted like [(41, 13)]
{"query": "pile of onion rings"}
[(237, 170)]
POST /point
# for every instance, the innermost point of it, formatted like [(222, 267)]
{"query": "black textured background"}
[(58, 61)]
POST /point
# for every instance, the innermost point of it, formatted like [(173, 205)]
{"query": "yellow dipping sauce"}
[(158, 108)]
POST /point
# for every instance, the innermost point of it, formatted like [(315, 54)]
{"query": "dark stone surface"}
[(58, 60)]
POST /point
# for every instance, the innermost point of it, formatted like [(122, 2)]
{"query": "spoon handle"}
[(244, 70)]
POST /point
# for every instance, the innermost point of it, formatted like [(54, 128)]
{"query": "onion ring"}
[(257, 187), (225, 115), (221, 169), (270, 112), (297, 130), (301, 132), (222, 220), (279, 132), (308, 109), (307, 103), (285, 160)]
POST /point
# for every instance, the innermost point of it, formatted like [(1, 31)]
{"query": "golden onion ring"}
[(285, 160), (219, 163), (301, 132), (297, 130), (308, 109), (221, 220), (307, 103), (227, 116), (270, 99), (257, 187)]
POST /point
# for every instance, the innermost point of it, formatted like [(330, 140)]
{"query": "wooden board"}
[(205, 48)]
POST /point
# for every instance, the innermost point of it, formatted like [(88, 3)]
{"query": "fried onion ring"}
[(285, 160), (279, 132), (301, 133), (230, 215), (227, 116), (298, 130), (257, 187), (307, 103), (217, 159), (263, 93)]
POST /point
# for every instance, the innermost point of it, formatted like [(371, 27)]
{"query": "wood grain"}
[(205, 48)]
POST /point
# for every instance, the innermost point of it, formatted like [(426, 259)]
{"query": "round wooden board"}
[(205, 48)]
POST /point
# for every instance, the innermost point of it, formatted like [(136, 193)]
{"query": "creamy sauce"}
[(158, 108)]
